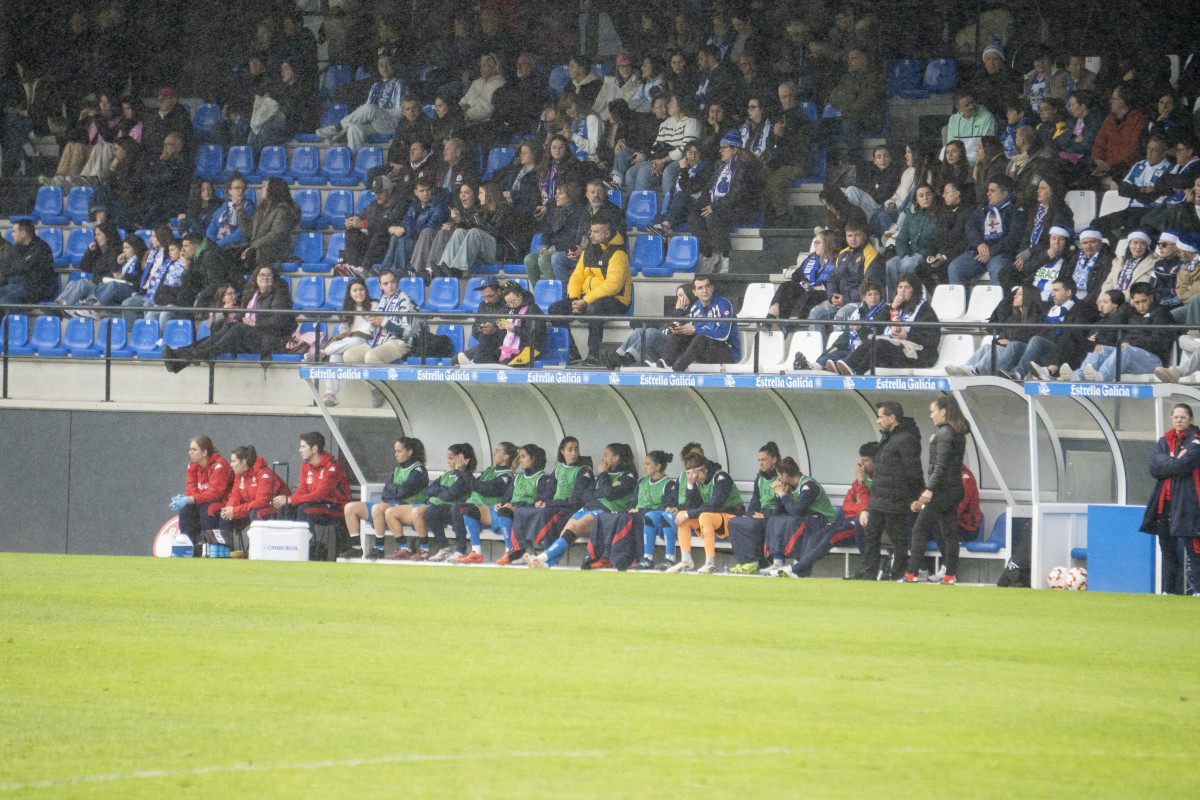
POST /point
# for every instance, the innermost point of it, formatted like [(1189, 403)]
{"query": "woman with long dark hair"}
[(1023, 305), (990, 161), (482, 506), (354, 329), (1173, 513), (891, 347), (955, 168), (938, 504), (275, 221), (395, 507)]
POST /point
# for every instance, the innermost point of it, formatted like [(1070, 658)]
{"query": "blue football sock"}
[(671, 536), (472, 529), (556, 551), (649, 536)]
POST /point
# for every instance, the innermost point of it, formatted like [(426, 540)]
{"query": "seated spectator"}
[(1043, 265), (1016, 118), (1078, 75), (874, 306), (421, 164), (125, 281), (448, 121), (368, 234), (273, 227), (231, 223), (379, 114), (203, 203), (90, 143), (1169, 120), (1022, 304), (858, 260), (27, 269), (623, 84), (99, 261), (353, 329), (949, 237), (209, 267), (258, 334), (993, 234), (1088, 270), (519, 101), (584, 85), (1113, 311), (172, 292), (1143, 350), (859, 96), (155, 273), (413, 126), (321, 493), (717, 82), (1186, 278), (660, 164), (477, 102), (970, 123), (1075, 147), (584, 128), (1134, 267), (425, 214), (562, 230), (431, 243), (624, 132), (1181, 175), (899, 345), (806, 286), (601, 285), (710, 338), (1053, 125), (918, 232), (456, 169), (840, 212), (1058, 345), (1141, 186), (1048, 210), (920, 165), (997, 83), (732, 200), (171, 118), (1165, 272), (1044, 80), (876, 183), (752, 82), (596, 195), (297, 102), (694, 175), (524, 330), (647, 344), (519, 187), (165, 184), (487, 335), (396, 330), (1031, 165), (989, 160), (557, 166), (786, 157), (1117, 143), (685, 38), (955, 167), (680, 76), (481, 239), (255, 485), (653, 84)]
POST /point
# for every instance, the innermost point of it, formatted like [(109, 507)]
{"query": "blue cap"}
[(1190, 241), (490, 280), (732, 139)]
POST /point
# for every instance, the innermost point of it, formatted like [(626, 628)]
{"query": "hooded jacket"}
[(603, 271)]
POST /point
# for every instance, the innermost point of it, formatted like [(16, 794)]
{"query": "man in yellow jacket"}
[(601, 285)]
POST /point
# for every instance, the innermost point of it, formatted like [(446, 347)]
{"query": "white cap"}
[(1059, 230), (1169, 237), (1090, 233), (1140, 236), (1184, 244)]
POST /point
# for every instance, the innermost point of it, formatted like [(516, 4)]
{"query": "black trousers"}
[(682, 351), (879, 522), (886, 355), (926, 520), (603, 307), (712, 232)]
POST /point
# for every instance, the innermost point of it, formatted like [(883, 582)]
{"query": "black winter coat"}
[(899, 479), (946, 450)]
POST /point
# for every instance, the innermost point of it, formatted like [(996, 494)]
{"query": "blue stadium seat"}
[(373, 290), (80, 337), (367, 158), (144, 234), (47, 337), (15, 328), (333, 78), (903, 75), (54, 238), (414, 288), (443, 295), (272, 163), (143, 339), (335, 293), (817, 165), (616, 198), (643, 208), (458, 337), (309, 293), (830, 112), (365, 198), (206, 116), (338, 164), (306, 163), (309, 247), (79, 201), (547, 292), (940, 78), (994, 543), (337, 243), (120, 343), (470, 296), (647, 253), (241, 159), (683, 254), (309, 201), (430, 110), (535, 243), (602, 69), (208, 161), (48, 207), (179, 333), (339, 204), (498, 158), (78, 241), (559, 78), (557, 347)]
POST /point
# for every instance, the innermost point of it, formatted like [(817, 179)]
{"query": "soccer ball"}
[(1057, 578), (1076, 579)]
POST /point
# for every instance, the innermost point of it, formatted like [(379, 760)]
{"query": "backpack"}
[(1016, 569)]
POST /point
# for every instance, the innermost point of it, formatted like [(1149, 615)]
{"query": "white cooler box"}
[(278, 540)]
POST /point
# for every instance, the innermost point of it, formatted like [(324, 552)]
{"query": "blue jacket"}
[(1009, 242), (1180, 468), (718, 309), (419, 217)]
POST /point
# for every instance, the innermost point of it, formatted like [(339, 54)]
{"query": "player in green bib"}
[(745, 531), (614, 489), (711, 501), (616, 536), (487, 491), (805, 514), (395, 506), (449, 490), (573, 479), (530, 487)]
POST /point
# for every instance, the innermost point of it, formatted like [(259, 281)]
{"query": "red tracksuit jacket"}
[(209, 484), (325, 483)]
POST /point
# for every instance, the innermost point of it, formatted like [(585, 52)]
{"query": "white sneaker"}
[(443, 554), (1064, 372), (328, 132), (533, 562), (682, 566), (774, 570), (454, 557), (1043, 373), (1167, 374), (329, 400), (937, 576), (722, 265), (708, 569), (1089, 373), (462, 360)]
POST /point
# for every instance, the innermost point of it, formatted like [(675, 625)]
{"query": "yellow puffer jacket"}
[(607, 277)]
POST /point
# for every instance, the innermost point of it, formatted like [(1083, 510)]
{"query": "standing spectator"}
[(998, 83), (993, 233), (717, 82), (731, 201), (897, 483), (1118, 142), (938, 503), (623, 85), (1173, 512), (27, 270), (785, 159), (379, 114), (170, 118), (859, 96), (601, 285), (715, 340), (275, 222)]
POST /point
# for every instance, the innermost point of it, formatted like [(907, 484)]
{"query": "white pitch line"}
[(418, 758)]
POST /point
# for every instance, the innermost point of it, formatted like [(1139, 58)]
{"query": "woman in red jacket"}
[(254, 485), (208, 481)]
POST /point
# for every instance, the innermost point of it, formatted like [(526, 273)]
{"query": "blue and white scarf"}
[(757, 145), (168, 273), (1125, 276), (816, 271), (1083, 268), (1059, 313), (993, 223), (855, 338), (724, 181), (1036, 233), (228, 220), (904, 317), (391, 304)]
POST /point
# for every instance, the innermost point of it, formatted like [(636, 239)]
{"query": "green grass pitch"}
[(164, 678)]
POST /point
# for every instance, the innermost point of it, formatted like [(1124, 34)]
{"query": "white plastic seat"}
[(955, 348), (1112, 202), (1083, 207), (984, 300), (757, 300), (949, 301), (807, 342), (745, 364)]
